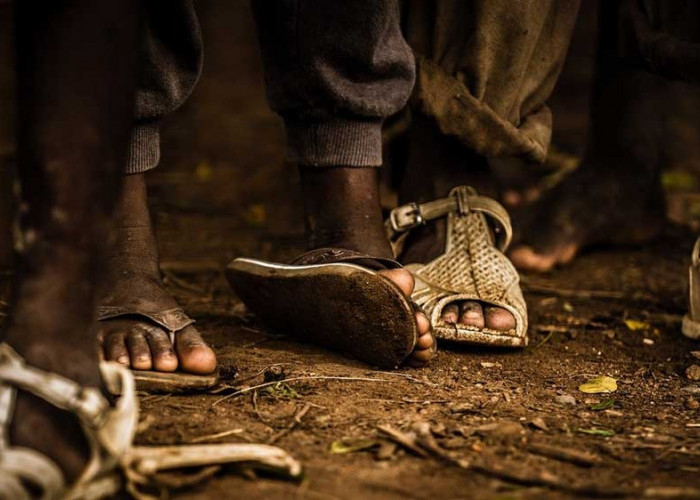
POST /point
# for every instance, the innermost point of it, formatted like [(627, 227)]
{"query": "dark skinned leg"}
[(615, 196), (76, 64), (132, 271), (342, 209)]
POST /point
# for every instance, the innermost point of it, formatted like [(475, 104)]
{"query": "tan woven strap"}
[(462, 200)]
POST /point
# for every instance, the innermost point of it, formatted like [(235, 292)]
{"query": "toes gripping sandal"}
[(114, 463), (691, 321), (334, 298), (472, 267), (171, 321)]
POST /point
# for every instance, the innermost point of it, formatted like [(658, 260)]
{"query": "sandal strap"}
[(173, 320), (462, 200), (332, 255), (108, 430)]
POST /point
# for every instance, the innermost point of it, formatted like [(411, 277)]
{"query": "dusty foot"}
[(593, 206), (427, 243), (133, 278), (342, 210)]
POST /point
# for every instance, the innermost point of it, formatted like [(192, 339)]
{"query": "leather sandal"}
[(472, 267), (332, 297), (114, 464)]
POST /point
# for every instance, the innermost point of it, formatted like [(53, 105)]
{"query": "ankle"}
[(342, 209)]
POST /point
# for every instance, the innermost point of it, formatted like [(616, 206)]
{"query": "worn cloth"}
[(333, 71), (487, 67)]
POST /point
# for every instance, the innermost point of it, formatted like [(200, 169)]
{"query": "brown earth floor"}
[(223, 191)]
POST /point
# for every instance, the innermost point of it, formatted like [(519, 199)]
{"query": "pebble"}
[(692, 404), (565, 399), (693, 372)]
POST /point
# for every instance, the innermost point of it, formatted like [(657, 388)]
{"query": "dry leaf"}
[(636, 325), (598, 385), (351, 445)]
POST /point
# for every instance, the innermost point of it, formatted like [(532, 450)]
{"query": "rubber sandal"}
[(114, 463), (472, 267), (691, 321), (334, 298), (172, 321)]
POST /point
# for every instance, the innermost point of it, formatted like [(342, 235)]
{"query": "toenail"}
[(124, 360)]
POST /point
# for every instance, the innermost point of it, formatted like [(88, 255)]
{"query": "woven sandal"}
[(472, 267), (691, 321), (172, 321), (114, 463), (334, 298)]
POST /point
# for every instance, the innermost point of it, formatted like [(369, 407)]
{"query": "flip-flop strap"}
[(172, 320), (461, 200), (332, 255)]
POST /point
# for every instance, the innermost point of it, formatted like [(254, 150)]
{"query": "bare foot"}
[(132, 280), (596, 205)]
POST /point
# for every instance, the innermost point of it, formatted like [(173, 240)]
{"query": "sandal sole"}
[(342, 307)]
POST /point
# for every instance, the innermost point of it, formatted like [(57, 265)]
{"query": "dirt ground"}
[(505, 424)]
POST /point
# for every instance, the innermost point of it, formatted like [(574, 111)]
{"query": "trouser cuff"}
[(144, 148), (348, 143)]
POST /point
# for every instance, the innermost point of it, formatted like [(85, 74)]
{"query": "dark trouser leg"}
[(615, 196), (75, 64), (334, 72)]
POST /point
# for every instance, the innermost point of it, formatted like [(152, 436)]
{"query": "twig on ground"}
[(666, 492), (402, 439), (296, 420), (587, 294), (508, 472), (544, 340), (408, 377), (295, 379), (218, 435), (577, 457)]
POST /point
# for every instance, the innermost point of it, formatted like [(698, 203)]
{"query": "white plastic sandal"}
[(114, 463), (691, 321), (472, 267)]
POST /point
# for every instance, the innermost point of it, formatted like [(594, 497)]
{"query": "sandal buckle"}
[(407, 217)]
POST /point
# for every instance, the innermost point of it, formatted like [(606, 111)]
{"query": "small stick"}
[(296, 420), (402, 439), (295, 379), (218, 435), (408, 377), (577, 457), (586, 294)]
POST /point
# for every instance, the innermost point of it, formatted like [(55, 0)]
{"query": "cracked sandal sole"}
[(343, 307)]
